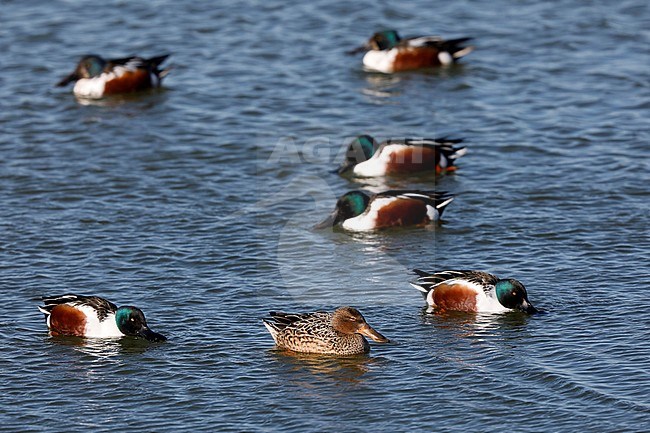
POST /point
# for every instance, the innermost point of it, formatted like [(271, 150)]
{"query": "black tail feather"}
[(421, 273), (156, 61)]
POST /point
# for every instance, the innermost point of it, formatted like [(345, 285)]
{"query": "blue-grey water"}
[(196, 204)]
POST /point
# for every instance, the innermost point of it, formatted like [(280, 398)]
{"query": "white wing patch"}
[(470, 285), (424, 40), (416, 142), (132, 64), (413, 195)]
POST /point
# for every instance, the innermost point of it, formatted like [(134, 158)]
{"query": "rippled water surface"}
[(196, 204)]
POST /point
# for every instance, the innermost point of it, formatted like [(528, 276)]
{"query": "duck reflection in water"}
[(104, 347), (346, 369)]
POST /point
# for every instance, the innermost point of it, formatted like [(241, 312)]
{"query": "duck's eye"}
[(131, 319), (514, 293)]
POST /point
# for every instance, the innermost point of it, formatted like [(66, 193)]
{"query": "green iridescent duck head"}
[(88, 67), (359, 150), (384, 40), (512, 294), (351, 204), (131, 321)]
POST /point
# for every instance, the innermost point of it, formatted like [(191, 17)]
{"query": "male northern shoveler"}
[(358, 211), (472, 291), (337, 333), (94, 317), (365, 157), (96, 77), (387, 52)]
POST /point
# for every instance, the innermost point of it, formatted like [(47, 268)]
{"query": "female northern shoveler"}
[(96, 77), (365, 157), (338, 333), (472, 291), (387, 52), (94, 317), (358, 211)]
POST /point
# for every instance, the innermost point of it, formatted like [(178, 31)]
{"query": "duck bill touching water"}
[(387, 52), (339, 333), (472, 291), (96, 77), (94, 317), (358, 211), (367, 158)]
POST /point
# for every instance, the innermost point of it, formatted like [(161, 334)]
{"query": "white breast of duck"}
[(92, 87), (488, 302), (380, 60), (95, 328), (377, 165)]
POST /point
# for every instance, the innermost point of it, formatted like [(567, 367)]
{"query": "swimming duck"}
[(337, 333), (96, 77), (365, 157), (472, 291), (94, 317), (358, 211), (387, 52)]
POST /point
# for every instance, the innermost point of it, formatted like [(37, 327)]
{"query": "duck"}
[(94, 317), (387, 52), (368, 158), (472, 291), (338, 333), (96, 77), (359, 211)]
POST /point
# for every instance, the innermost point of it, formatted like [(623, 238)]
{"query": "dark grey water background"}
[(196, 203)]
